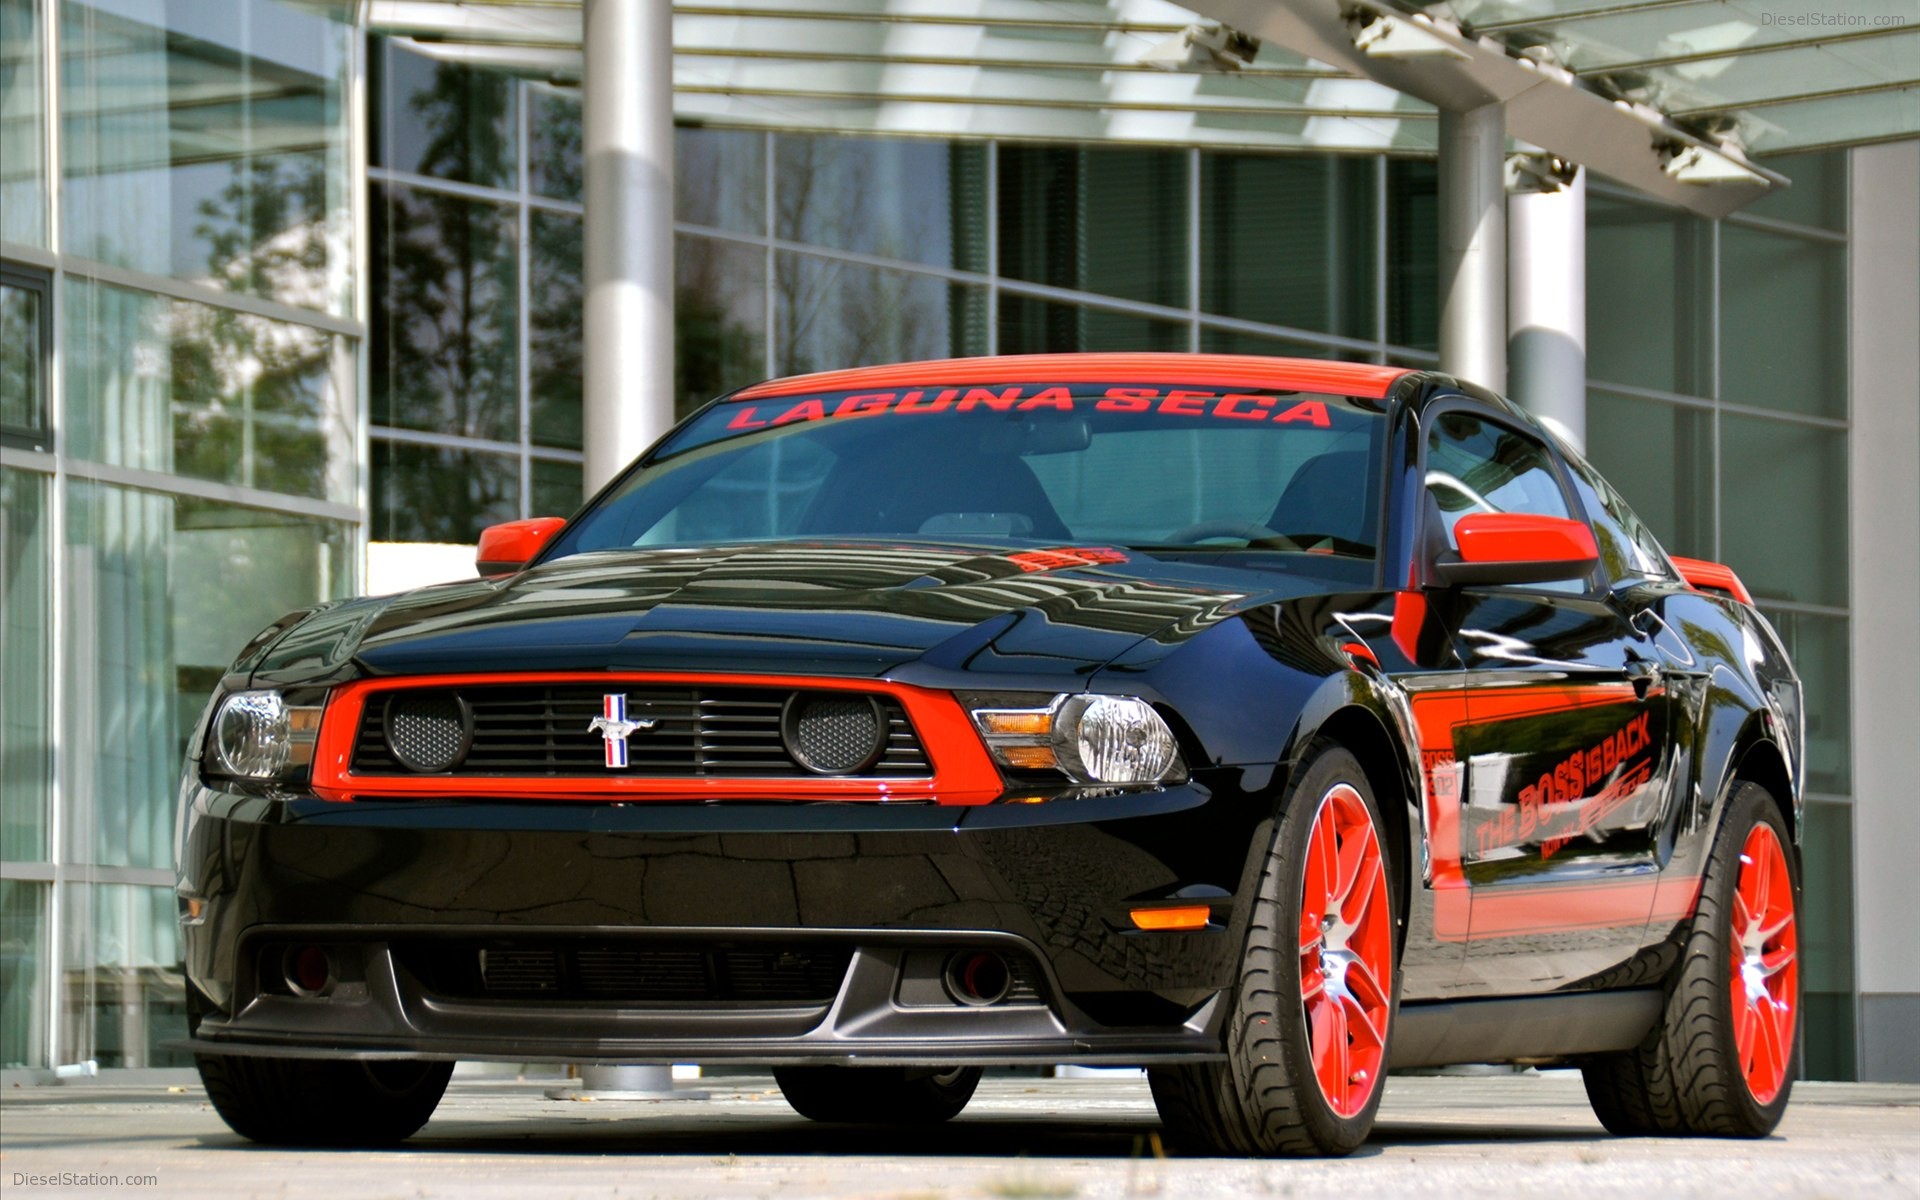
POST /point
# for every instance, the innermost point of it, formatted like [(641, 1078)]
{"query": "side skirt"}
[(1527, 1028)]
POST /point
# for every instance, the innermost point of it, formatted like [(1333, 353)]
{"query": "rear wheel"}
[(1721, 1060), (878, 1095), (314, 1102), (1307, 1040)]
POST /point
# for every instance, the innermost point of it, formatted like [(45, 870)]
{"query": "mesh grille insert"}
[(834, 735), (428, 731)]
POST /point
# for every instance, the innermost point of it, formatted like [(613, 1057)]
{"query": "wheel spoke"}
[(1365, 988), (1313, 981), (1781, 922), (1366, 1034), (1328, 1026), (1764, 1075), (1352, 860), (1776, 961), (1742, 916), (1359, 899)]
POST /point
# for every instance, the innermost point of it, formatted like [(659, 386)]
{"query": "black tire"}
[(316, 1102), (878, 1095), (1265, 1099), (1688, 1076)]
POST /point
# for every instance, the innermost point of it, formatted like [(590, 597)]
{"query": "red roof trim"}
[(1216, 370)]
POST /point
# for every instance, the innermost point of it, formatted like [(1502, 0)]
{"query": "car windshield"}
[(1151, 467)]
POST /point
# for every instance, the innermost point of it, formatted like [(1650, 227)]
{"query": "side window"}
[(1628, 549), (1476, 466)]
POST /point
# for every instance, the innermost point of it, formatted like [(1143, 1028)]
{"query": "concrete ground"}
[(1528, 1134)]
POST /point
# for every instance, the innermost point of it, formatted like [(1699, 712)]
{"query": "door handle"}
[(1643, 673)]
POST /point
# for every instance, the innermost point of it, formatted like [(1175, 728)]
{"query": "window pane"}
[(24, 970), (23, 165), (1820, 653), (719, 319), (1106, 221), (441, 119), (123, 993), (554, 332), (1785, 496), (1232, 341), (162, 593), (1029, 326), (1660, 457), (1826, 932), (445, 328), (26, 699), (557, 490), (210, 145), (1413, 254), (720, 178), (832, 314), (920, 200), (554, 166), (170, 385), (1648, 306), (440, 493), (23, 348), (1783, 322), (1818, 195), (1289, 241)]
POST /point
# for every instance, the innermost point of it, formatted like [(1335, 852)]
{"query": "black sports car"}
[(1268, 723)]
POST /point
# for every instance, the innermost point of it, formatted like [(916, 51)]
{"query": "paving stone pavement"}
[(1530, 1134)]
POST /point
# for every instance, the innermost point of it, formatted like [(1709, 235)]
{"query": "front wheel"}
[(314, 1102), (1307, 1040), (878, 1095), (1720, 1062)]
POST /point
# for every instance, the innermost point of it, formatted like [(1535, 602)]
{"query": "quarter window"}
[(1476, 466)]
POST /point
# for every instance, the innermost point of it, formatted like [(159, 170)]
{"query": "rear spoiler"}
[(1712, 577)]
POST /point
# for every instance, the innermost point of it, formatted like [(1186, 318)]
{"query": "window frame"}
[(38, 436)]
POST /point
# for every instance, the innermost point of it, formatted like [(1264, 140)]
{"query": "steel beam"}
[(627, 137), (1473, 245), (1547, 292)]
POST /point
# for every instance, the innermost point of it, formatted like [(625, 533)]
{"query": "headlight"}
[(1091, 739), (258, 735)]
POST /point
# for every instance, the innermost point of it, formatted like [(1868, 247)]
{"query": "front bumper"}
[(886, 889)]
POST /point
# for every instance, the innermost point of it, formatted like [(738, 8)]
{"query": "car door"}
[(1565, 736)]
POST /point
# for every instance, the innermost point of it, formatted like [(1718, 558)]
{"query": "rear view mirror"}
[(507, 547), (1517, 548)]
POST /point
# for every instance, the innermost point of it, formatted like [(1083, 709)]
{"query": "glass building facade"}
[(252, 323)]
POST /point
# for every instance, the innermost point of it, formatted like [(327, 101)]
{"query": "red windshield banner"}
[(1180, 402)]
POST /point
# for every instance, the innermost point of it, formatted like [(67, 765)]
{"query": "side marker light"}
[(1191, 916)]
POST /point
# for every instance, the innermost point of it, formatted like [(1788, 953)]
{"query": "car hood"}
[(856, 609)]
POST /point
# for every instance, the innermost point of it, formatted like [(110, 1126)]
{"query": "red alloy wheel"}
[(1346, 951), (1764, 945)]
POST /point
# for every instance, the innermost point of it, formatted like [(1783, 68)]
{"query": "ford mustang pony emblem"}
[(612, 724)]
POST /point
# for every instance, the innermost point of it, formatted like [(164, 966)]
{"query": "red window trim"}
[(962, 772)]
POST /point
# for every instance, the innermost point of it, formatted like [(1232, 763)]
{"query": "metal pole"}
[(1473, 245), (628, 146), (1547, 292)]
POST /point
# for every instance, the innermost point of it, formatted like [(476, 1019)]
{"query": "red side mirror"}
[(1518, 548), (507, 547)]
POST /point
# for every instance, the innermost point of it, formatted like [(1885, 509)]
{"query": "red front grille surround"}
[(962, 772)]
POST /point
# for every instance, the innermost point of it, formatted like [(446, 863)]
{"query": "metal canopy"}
[(1668, 96)]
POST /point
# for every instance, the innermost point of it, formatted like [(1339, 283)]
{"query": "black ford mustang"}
[(1267, 723)]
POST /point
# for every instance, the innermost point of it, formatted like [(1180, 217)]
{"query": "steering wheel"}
[(1245, 531)]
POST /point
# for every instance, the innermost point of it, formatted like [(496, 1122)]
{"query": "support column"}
[(627, 137), (1883, 363), (1547, 292), (1473, 245)]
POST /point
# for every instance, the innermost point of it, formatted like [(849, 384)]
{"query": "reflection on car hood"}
[(855, 608)]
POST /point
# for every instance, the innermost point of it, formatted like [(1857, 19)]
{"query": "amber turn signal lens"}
[(1192, 916), (1015, 722)]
